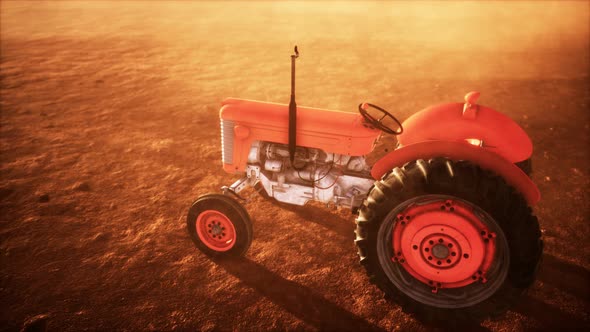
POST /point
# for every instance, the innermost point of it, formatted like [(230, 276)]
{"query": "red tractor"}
[(444, 225)]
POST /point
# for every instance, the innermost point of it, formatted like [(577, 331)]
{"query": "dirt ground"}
[(109, 130)]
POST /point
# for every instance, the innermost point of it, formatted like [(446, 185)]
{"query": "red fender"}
[(460, 151), (457, 122)]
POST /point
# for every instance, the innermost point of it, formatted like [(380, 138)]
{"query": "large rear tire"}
[(448, 241), (219, 226)]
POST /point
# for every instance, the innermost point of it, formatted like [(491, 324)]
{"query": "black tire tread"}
[(471, 183), (239, 217)]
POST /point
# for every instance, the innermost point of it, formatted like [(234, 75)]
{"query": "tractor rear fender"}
[(455, 122), (460, 151)]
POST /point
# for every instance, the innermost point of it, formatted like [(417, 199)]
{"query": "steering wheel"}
[(377, 123)]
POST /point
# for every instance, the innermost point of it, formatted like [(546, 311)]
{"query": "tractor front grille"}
[(227, 141)]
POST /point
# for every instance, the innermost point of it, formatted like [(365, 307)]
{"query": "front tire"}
[(219, 226), (448, 241)]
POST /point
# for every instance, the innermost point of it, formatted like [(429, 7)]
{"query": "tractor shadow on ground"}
[(332, 221), (549, 316), (297, 299), (565, 277), (307, 305)]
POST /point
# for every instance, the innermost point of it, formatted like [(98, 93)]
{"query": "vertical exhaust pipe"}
[(293, 111)]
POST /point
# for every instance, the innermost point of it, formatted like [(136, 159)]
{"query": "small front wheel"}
[(219, 226)]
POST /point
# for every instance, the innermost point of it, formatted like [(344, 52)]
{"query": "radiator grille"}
[(227, 141)]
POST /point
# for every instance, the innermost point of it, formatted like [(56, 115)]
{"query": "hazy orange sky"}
[(408, 40)]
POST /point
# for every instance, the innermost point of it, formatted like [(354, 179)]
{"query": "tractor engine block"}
[(330, 178)]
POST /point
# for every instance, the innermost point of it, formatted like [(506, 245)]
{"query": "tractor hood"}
[(331, 131)]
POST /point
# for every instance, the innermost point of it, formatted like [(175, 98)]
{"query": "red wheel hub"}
[(215, 230), (443, 243)]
